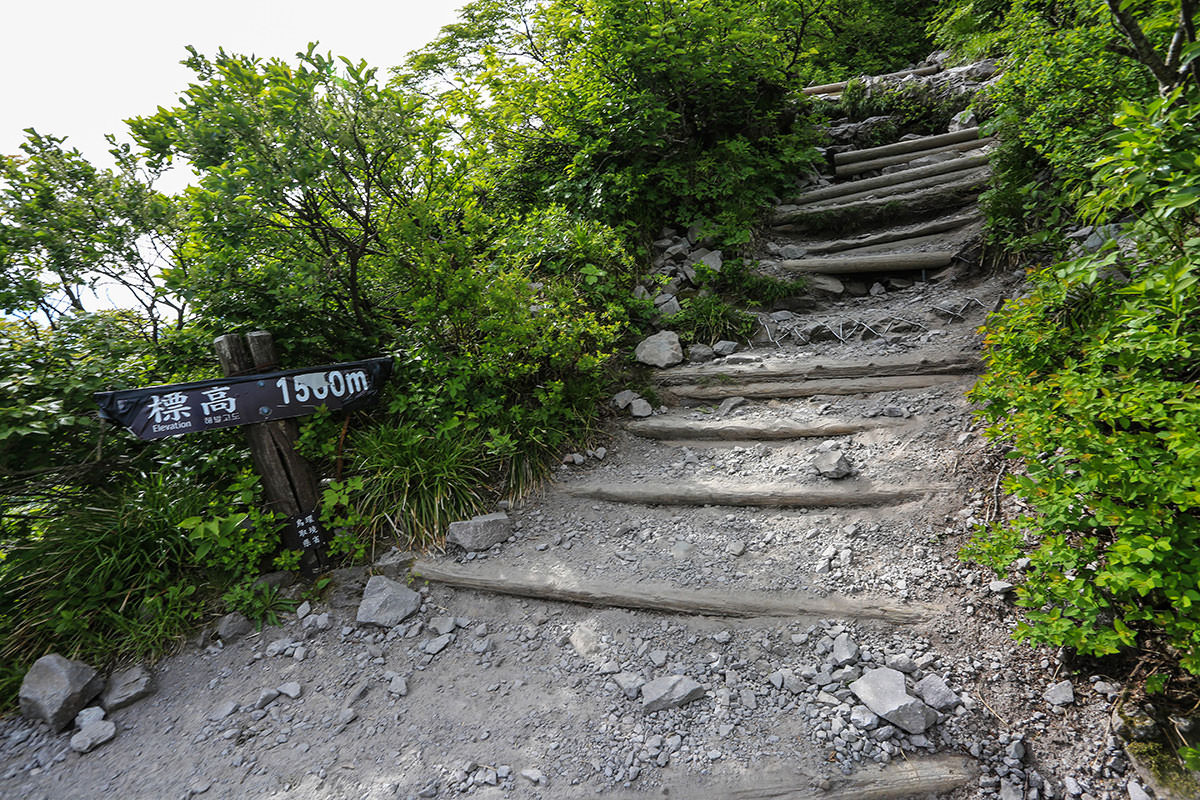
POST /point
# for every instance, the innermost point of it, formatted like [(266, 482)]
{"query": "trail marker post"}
[(265, 404)]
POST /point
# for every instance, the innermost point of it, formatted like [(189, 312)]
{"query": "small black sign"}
[(157, 412), (308, 531)]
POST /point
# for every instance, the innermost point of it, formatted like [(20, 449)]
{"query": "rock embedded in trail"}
[(482, 532), (882, 690), (671, 691), (663, 349), (934, 691), (56, 689), (833, 465), (386, 603), (640, 408), (93, 735), (1060, 694), (233, 626), (127, 687)]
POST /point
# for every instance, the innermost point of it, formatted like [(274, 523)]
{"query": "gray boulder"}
[(670, 691), (700, 353), (480, 533), (882, 690), (660, 350), (386, 603), (56, 689), (127, 687), (93, 735), (622, 399)]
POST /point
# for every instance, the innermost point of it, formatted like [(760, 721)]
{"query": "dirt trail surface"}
[(696, 611)]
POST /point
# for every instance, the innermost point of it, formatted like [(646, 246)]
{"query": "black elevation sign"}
[(161, 411)]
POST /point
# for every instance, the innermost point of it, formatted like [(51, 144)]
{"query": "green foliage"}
[(1061, 82), (632, 113), (258, 601), (1093, 383), (237, 544), (707, 319), (107, 575), (913, 106), (740, 281)]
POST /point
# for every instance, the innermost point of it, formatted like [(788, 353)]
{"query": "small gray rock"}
[(127, 687), (663, 349), (700, 353), (629, 683), (386, 603), (640, 408), (882, 690), (398, 686), (725, 348), (88, 716), (1060, 694), (93, 735), (670, 691), (291, 689), (56, 689), (845, 650), (435, 646), (1136, 792), (622, 399), (934, 691), (483, 532), (736, 548), (832, 464), (233, 626)]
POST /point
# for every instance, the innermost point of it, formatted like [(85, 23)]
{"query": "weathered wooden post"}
[(289, 482)]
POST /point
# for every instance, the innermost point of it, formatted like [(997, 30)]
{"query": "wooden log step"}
[(849, 494), (563, 585), (854, 265), (908, 187), (781, 389), (891, 161), (891, 179), (910, 778), (909, 237), (909, 146), (781, 370), (886, 211), (837, 88), (673, 428)]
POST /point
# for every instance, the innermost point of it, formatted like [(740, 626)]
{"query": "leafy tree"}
[(68, 228)]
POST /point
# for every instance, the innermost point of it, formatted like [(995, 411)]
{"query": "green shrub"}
[(1093, 383), (707, 319), (106, 575)]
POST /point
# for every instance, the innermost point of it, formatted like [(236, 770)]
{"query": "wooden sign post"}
[(265, 403)]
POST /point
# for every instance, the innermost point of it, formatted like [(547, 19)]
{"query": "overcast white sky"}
[(77, 68)]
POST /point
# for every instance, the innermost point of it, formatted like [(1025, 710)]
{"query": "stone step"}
[(783, 389), (727, 373), (910, 778), (909, 237), (908, 146), (863, 264), (888, 211), (560, 583), (848, 494), (891, 179), (890, 161), (907, 187), (838, 88), (679, 429)]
